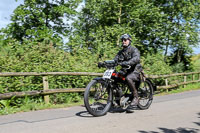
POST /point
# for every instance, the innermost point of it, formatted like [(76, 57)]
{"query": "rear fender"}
[(153, 85)]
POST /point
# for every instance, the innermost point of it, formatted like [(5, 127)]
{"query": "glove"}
[(101, 64)]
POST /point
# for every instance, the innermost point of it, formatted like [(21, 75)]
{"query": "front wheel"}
[(145, 92), (97, 98)]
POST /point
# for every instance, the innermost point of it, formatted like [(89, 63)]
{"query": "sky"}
[(6, 9), (8, 6)]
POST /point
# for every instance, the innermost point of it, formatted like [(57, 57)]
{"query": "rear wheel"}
[(97, 98), (145, 92)]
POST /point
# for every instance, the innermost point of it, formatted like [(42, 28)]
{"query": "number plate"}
[(108, 73)]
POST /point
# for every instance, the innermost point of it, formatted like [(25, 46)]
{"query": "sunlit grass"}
[(196, 62), (37, 106), (189, 87)]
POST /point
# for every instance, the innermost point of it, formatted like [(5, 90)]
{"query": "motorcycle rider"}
[(130, 56)]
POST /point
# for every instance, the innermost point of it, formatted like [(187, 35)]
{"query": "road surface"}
[(176, 113)]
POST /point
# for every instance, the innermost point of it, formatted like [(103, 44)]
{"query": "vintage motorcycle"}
[(112, 90)]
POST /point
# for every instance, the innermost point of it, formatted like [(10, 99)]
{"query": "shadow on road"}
[(84, 114), (121, 110), (178, 130), (112, 110), (198, 123)]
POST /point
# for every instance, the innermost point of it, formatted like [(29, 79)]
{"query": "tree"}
[(182, 18), (39, 19), (101, 23), (180, 24), (104, 21), (155, 25)]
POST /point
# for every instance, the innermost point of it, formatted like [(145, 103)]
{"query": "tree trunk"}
[(119, 20)]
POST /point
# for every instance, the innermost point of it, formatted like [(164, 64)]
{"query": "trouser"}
[(133, 79)]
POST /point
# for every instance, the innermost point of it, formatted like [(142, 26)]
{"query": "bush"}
[(155, 65), (44, 57), (178, 68)]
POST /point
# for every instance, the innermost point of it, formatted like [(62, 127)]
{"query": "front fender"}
[(99, 78)]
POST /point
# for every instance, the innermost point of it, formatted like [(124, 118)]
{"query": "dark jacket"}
[(130, 56)]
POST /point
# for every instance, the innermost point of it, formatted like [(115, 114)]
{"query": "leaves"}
[(39, 19), (155, 25)]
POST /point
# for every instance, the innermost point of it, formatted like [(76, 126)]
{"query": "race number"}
[(108, 73)]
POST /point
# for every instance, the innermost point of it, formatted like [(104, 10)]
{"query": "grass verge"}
[(189, 87), (36, 106)]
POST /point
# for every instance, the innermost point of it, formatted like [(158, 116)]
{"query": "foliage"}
[(180, 58), (154, 64), (39, 19), (189, 87), (196, 62), (154, 25), (181, 22), (44, 57), (100, 24), (41, 58), (178, 68)]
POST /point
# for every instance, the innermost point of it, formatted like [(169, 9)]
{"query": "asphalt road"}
[(176, 113)]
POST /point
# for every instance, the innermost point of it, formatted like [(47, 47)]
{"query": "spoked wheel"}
[(97, 98), (145, 92)]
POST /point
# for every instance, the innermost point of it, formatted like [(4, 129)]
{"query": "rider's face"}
[(125, 42)]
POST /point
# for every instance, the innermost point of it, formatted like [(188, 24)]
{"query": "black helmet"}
[(126, 36)]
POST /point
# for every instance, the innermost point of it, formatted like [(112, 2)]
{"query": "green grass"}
[(196, 62), (180, 89), (36, 106)]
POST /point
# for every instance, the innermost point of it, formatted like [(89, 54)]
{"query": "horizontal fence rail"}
[(8, 74), (46, 91)]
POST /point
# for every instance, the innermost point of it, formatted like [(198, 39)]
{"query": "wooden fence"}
[(46, 91)]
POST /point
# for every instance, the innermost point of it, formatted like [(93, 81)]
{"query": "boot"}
[(133, 104), (133, 89), (135, 100)]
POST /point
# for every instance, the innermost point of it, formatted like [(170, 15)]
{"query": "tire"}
[(145, 92), (97, 98)]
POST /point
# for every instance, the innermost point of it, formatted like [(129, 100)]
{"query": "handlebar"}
[(111, 64), (107, 64)]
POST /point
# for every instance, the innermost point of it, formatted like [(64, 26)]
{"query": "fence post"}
[(193, 77), (185, 80), (166, 83), (45, 87), (199, 76)]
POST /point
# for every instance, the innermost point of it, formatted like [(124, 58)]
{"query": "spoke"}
[(104, 99), (97, 106)]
